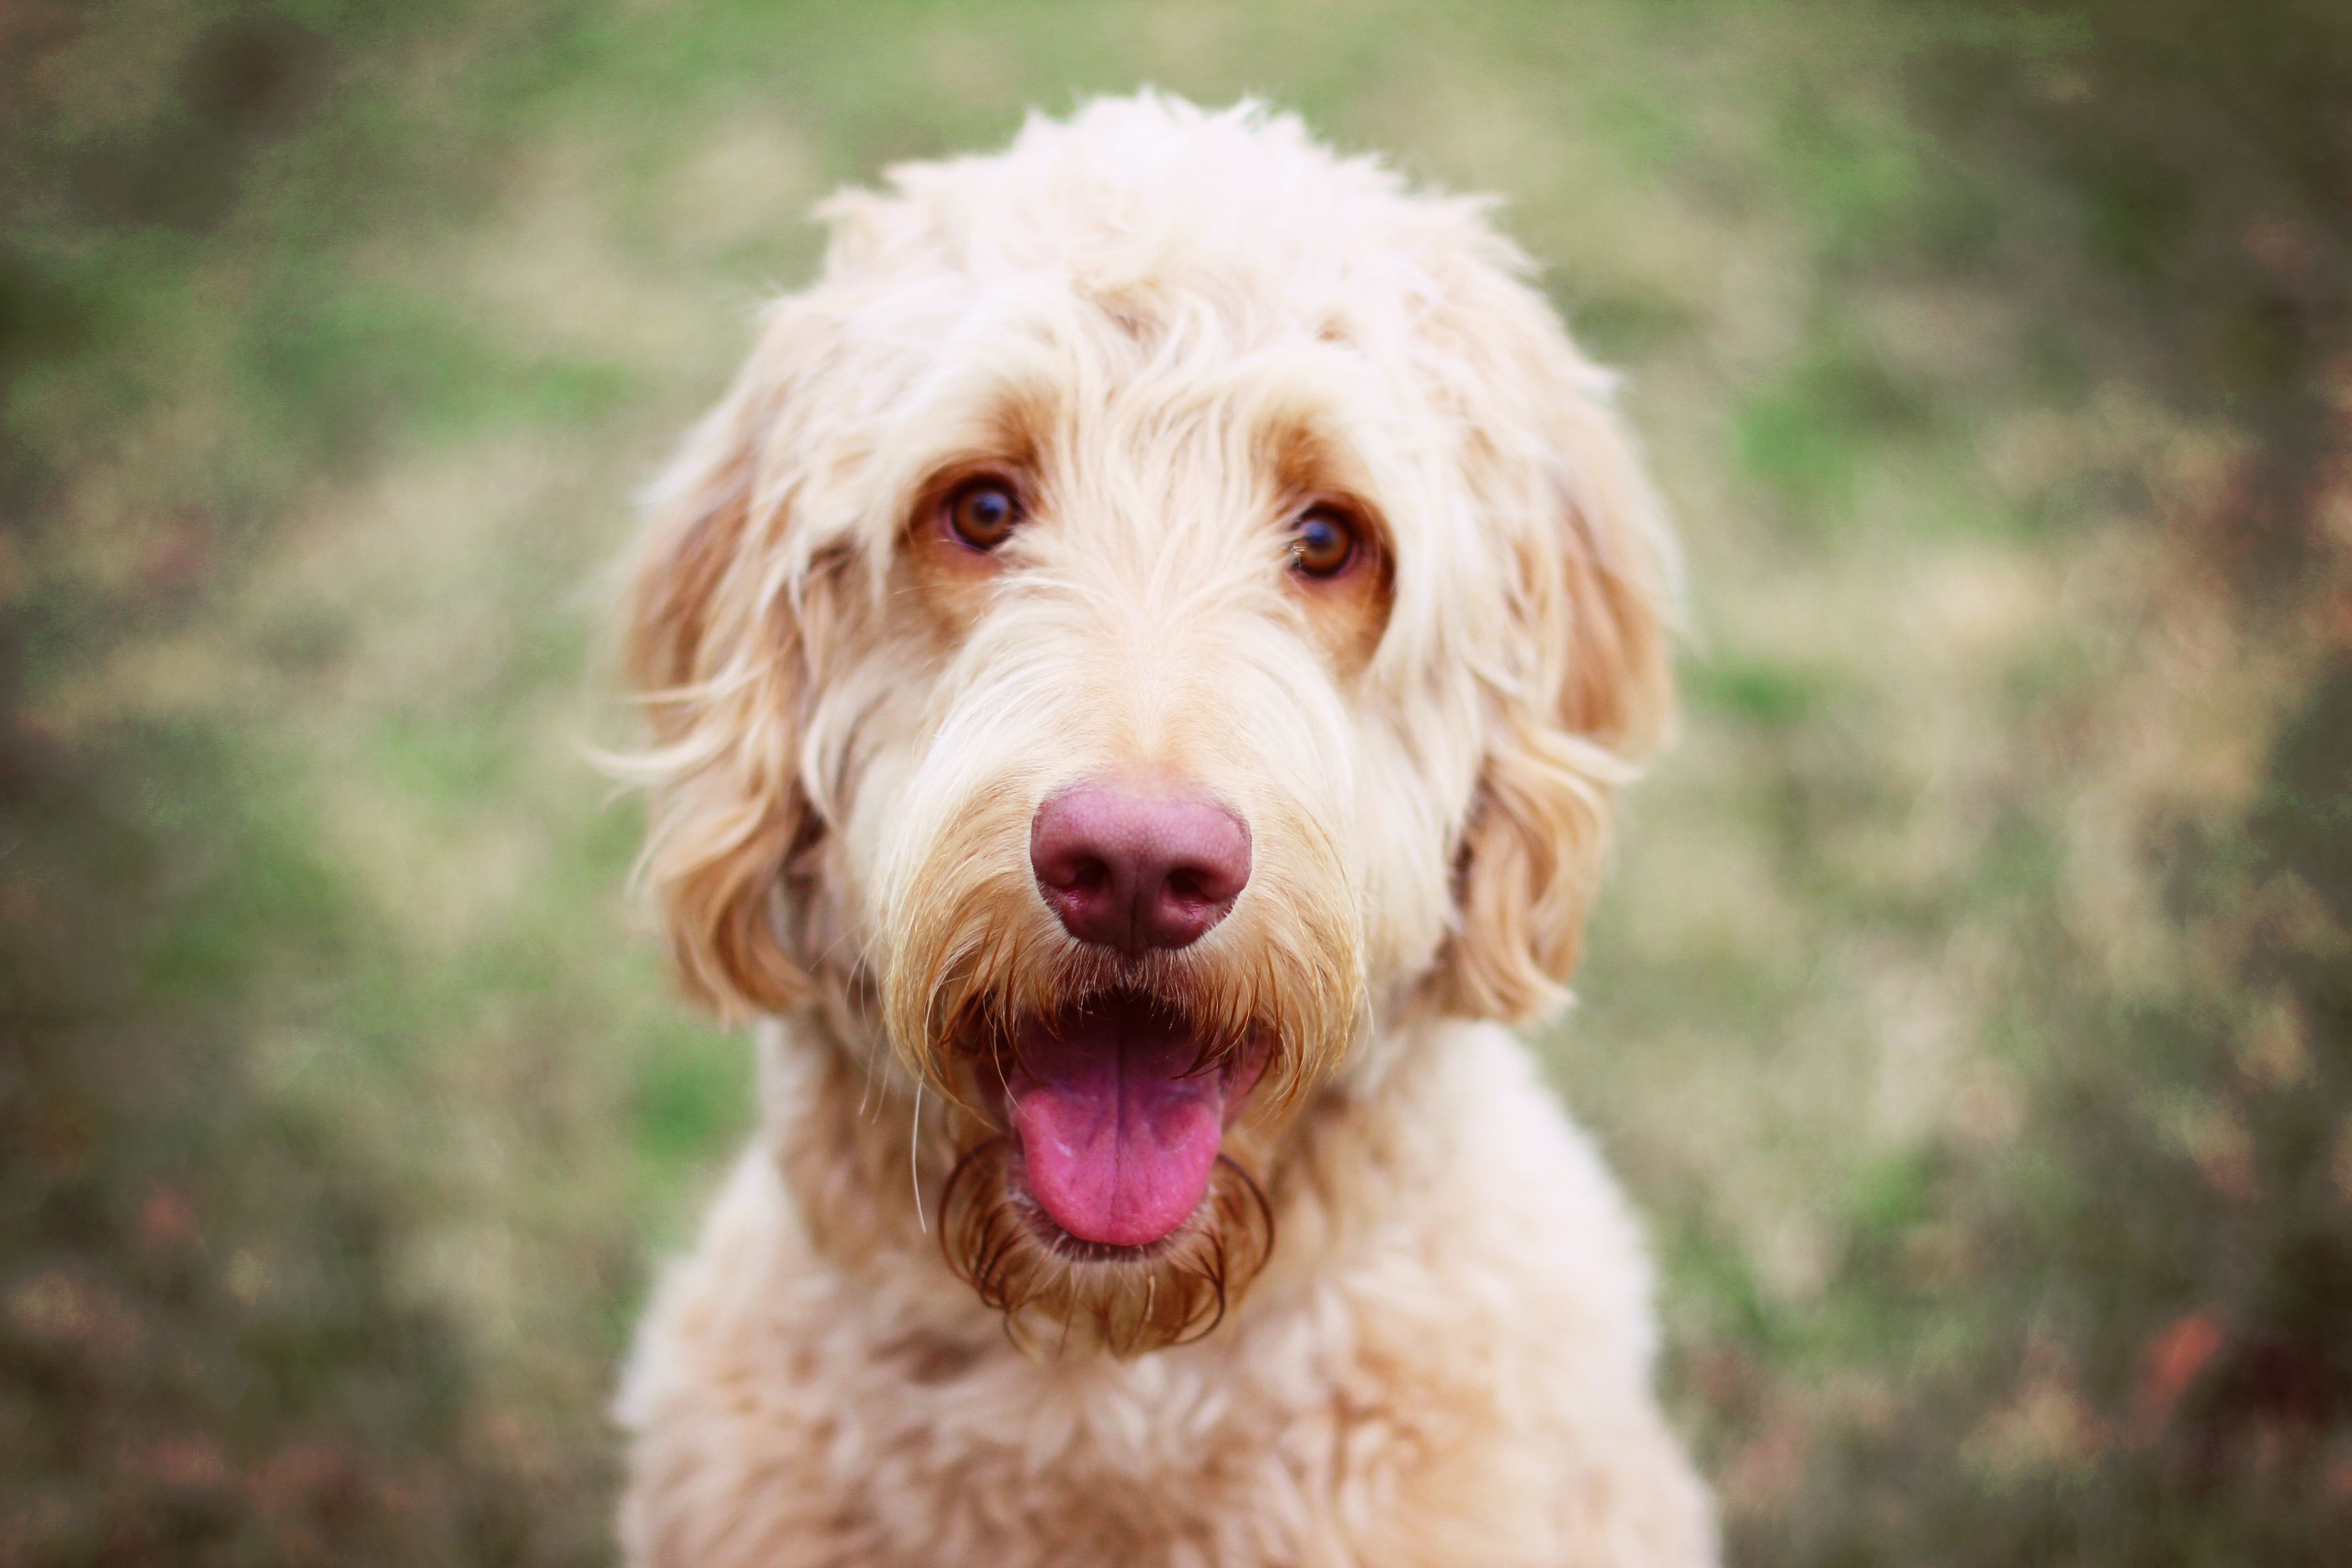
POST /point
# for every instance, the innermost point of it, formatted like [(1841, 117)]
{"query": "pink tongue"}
[(1118, 1143)]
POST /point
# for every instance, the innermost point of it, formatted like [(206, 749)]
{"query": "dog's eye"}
[(1322, 542), (984, 513)]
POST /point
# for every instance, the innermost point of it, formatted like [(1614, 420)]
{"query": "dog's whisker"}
[(914, 1157)]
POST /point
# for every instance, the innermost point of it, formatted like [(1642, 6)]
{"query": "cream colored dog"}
[(1139, 664)]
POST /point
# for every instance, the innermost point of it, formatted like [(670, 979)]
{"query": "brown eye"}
[(1322, 542), (984, 513)]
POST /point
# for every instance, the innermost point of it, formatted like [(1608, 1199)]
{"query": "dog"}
[(1139, 667)]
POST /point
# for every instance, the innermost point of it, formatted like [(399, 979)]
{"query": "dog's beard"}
[(1051, 1287), (1098, 1197)]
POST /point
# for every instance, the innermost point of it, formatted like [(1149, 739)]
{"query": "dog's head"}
[(1165, 608)]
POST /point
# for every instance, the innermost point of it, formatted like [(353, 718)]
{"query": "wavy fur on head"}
[(1408, 1323)]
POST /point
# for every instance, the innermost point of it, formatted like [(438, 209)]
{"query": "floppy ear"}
[(728, 613), (1588, 694)]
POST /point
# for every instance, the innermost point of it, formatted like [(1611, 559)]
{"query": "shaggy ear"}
[(1589, 695), (726, 620)]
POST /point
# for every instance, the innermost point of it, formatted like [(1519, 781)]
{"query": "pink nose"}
[(1131, 871)]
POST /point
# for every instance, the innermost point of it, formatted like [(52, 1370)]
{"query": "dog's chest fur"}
[(1446, 1364)]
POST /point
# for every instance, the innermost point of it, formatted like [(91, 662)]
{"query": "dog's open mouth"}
[(1120, 1114)]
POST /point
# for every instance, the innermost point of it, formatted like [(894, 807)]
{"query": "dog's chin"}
[(1103, 1201)]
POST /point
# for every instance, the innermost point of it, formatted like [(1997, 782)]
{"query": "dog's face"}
[(1166, 608)]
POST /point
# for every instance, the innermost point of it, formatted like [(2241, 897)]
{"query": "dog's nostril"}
[(1138, 872)]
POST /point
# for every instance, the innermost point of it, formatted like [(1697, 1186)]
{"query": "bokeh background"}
[(1971, 1012)]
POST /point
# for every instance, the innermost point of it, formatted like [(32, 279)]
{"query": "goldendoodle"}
[(1139, 666)]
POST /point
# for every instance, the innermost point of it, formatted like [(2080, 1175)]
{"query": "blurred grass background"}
[(1971, 1012)]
